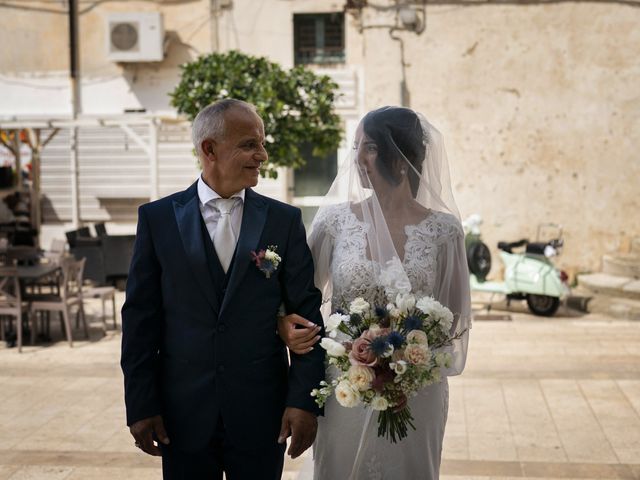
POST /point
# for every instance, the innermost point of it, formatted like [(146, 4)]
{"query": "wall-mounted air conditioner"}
[(135, 37)]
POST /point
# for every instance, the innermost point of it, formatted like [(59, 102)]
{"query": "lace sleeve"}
[(452, 290), (321, 240)]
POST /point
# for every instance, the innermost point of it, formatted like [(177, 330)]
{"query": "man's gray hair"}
[(209, 123)]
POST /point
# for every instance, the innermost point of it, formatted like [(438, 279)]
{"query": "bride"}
[(391, 204)]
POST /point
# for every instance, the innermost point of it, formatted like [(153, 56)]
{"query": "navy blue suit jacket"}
[(193, 351)]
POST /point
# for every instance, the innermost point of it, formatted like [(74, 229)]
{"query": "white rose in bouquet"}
[(427, 305), (393, 310), (445, 317), (405, 302), (417, 354), (379, 403), (436, 311), (399, 367), (333, 348), (333, 322), (374, 329), (361, 377), (359, 306), (417, 336), (347, 395)]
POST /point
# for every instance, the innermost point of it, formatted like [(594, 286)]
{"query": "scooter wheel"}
[(543, 305)]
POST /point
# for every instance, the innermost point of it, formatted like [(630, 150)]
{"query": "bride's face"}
[(367, 154)]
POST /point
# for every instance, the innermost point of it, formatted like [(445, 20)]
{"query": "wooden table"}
[(30, 273), (21, 253)]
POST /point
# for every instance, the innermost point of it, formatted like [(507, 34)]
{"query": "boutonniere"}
[(267, 260)]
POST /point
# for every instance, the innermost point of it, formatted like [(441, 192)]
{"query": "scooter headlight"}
[(550, 251)]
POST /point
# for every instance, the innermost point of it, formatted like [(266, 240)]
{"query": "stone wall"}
[(539, 103)]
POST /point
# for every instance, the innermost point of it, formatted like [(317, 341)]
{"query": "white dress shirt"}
[(210, 213)]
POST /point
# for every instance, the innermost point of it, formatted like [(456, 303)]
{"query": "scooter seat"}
[(509, 246), (537, 247)]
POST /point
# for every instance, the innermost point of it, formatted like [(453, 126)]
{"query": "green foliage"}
[(296, 105)]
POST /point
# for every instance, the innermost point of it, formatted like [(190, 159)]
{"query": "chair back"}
[(100, 228), (10, 300), (72, 275), (74, 235), (84, 232), (71, 237), (58, 246)]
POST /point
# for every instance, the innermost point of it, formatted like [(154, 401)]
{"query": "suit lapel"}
[(253, 219), (188, 218)]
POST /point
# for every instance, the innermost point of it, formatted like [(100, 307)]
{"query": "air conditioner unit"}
[(135, 37)]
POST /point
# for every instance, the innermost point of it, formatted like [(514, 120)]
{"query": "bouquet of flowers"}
[(387, 354)]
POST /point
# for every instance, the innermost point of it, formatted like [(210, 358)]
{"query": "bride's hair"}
[(398, 134)]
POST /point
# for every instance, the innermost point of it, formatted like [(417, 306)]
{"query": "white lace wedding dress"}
[(347, 433)]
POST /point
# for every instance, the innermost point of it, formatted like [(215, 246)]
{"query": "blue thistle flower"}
[(267, 266), (379, 346), (355, 319), (396, 339), (381, 312), (341, 311), (412, 322)]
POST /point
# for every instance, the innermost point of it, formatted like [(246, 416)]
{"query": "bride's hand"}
[(299, 340)]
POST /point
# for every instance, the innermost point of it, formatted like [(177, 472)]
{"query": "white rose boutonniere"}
[(267, 260)]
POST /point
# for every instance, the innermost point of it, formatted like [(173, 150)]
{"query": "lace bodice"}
[(352, 273)]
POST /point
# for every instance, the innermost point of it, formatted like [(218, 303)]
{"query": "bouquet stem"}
[(393, 425)]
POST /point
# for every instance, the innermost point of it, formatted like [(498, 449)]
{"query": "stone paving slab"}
[(540, 399)]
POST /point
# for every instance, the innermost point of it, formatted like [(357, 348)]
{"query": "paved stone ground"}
[(540, 399)]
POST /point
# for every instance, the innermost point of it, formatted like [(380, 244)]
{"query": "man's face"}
[(234, 163)]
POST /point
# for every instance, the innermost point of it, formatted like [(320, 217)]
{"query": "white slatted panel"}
[(56, 179), (178, 167), (114, 172)]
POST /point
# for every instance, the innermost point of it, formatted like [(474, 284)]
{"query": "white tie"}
[(224, 239)]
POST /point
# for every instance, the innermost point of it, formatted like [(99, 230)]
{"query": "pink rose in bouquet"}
[(361, 353)]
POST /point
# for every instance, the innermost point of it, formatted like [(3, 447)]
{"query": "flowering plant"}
[(267, 260), (388, 354)]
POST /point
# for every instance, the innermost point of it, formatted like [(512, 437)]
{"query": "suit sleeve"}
[(142, 328), (302, 297)]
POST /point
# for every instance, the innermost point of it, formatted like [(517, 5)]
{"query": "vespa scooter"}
[(528, 275)]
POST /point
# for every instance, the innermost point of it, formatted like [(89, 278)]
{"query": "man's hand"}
[(143, 431), (299, 340), (301, 426)]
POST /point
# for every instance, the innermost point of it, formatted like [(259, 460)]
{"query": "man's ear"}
[(208, 148)]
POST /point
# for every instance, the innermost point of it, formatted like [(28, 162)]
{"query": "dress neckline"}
[(407, 228)]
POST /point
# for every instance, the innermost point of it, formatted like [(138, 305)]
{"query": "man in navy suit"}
[(208, 385)]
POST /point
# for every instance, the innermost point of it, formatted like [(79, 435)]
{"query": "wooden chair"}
[(10, 301), (70, 296), (56, 251), (104, 294), (100, 228)]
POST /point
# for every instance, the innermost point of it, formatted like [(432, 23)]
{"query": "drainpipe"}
[(74, 74)]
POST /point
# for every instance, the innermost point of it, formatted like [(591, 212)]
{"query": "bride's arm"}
[(452, 290), (300, 339)]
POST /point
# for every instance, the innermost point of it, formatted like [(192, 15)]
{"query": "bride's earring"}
[(403, 171)]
